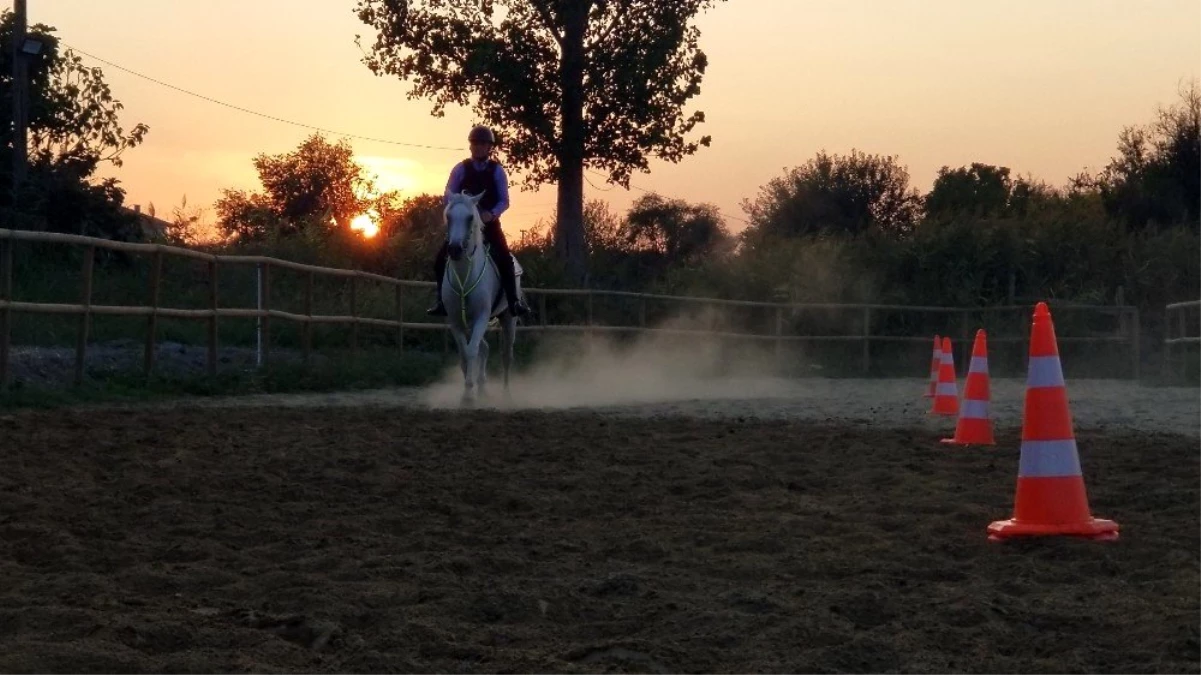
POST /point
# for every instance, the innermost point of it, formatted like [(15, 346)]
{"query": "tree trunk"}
[(570, 244)]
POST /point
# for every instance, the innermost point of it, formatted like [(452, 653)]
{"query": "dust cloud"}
[(675, 362)]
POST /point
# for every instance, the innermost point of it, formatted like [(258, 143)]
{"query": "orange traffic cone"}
[(935, 361), (975, 427), (1050, 498), (946, 394)]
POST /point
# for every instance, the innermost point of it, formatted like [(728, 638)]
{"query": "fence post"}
[(156, 274), (1184, 347), (212, 328), (265, 346), (6, 294), (779, 335), (590, 319), (642, 312), (1136, 355), (867, 343), (258, 319), (354, 314), (306, 336), (1120, 301), (85, 299), (1167, 346), (400, 318), (542, 310)]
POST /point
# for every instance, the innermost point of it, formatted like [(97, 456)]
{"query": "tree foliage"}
[(568, 84), (678, 232), (415, 231), (73, 117), (836, 194), (318, 185), (985, 191), (1156, 178), (73, 128)]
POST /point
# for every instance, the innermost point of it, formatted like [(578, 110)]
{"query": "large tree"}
[(569, 84), (978, 190), (318, 184), (73, 129), (678, 232), (1156, 177), (986, 191), (832, 194)]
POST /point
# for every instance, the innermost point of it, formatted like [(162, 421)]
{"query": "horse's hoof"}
[(467, 399)]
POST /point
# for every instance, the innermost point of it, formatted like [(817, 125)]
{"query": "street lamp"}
[(31, 46)]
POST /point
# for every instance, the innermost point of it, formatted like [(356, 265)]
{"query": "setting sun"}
[(364, 224)]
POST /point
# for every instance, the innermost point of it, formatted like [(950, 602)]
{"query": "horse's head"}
[(463, 224)]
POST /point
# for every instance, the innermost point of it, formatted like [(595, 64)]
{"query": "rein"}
[(463, 289)]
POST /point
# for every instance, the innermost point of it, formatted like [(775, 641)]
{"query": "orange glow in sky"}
[(1041, 86)]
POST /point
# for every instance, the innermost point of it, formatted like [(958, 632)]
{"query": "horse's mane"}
[(464, 199)]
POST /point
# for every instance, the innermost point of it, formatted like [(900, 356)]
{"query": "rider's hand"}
[(486, 216)]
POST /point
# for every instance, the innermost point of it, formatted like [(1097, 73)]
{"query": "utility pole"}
[(20, 92)]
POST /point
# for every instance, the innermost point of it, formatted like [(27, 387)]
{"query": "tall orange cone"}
[(935, 362), (946, 394), (1050, 497), (975, 426)]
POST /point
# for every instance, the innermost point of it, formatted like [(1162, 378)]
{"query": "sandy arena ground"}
[(1095, 404), (620, 520)]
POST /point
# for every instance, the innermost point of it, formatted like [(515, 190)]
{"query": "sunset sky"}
[(1041, 86)]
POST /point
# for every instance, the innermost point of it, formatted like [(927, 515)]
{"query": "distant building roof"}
[(151, 225)]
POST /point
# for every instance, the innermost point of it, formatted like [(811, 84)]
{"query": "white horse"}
[(472, 294)]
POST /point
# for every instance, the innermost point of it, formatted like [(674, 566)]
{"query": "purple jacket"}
[(496, 201)]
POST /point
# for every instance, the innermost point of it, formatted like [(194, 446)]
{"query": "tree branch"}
[(548, 21), (603, 36)]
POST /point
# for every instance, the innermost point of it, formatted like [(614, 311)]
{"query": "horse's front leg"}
[(478, 351), (508, 337), (464, 362), (482, 375)]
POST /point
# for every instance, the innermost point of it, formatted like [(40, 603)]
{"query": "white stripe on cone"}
[(1046, 459), (974, 410), (1044, 371)]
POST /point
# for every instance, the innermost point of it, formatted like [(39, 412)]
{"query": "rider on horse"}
[(481, 173)]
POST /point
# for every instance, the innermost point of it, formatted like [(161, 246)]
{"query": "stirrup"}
[(438, 309)]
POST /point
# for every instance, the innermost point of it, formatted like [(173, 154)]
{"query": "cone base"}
[(972, 431), (962, 441), (1093, 528), (944, 413)]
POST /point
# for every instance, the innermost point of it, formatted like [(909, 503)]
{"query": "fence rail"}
[(1128, 331), (1176, 331)]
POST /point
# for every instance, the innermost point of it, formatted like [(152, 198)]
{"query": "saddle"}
[(500, 293)]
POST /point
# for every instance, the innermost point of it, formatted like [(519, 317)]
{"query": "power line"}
[(259, 114), (600, 189), (322, 129)]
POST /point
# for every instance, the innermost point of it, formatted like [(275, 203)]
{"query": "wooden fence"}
[(1176, 331), (1127, 332)]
